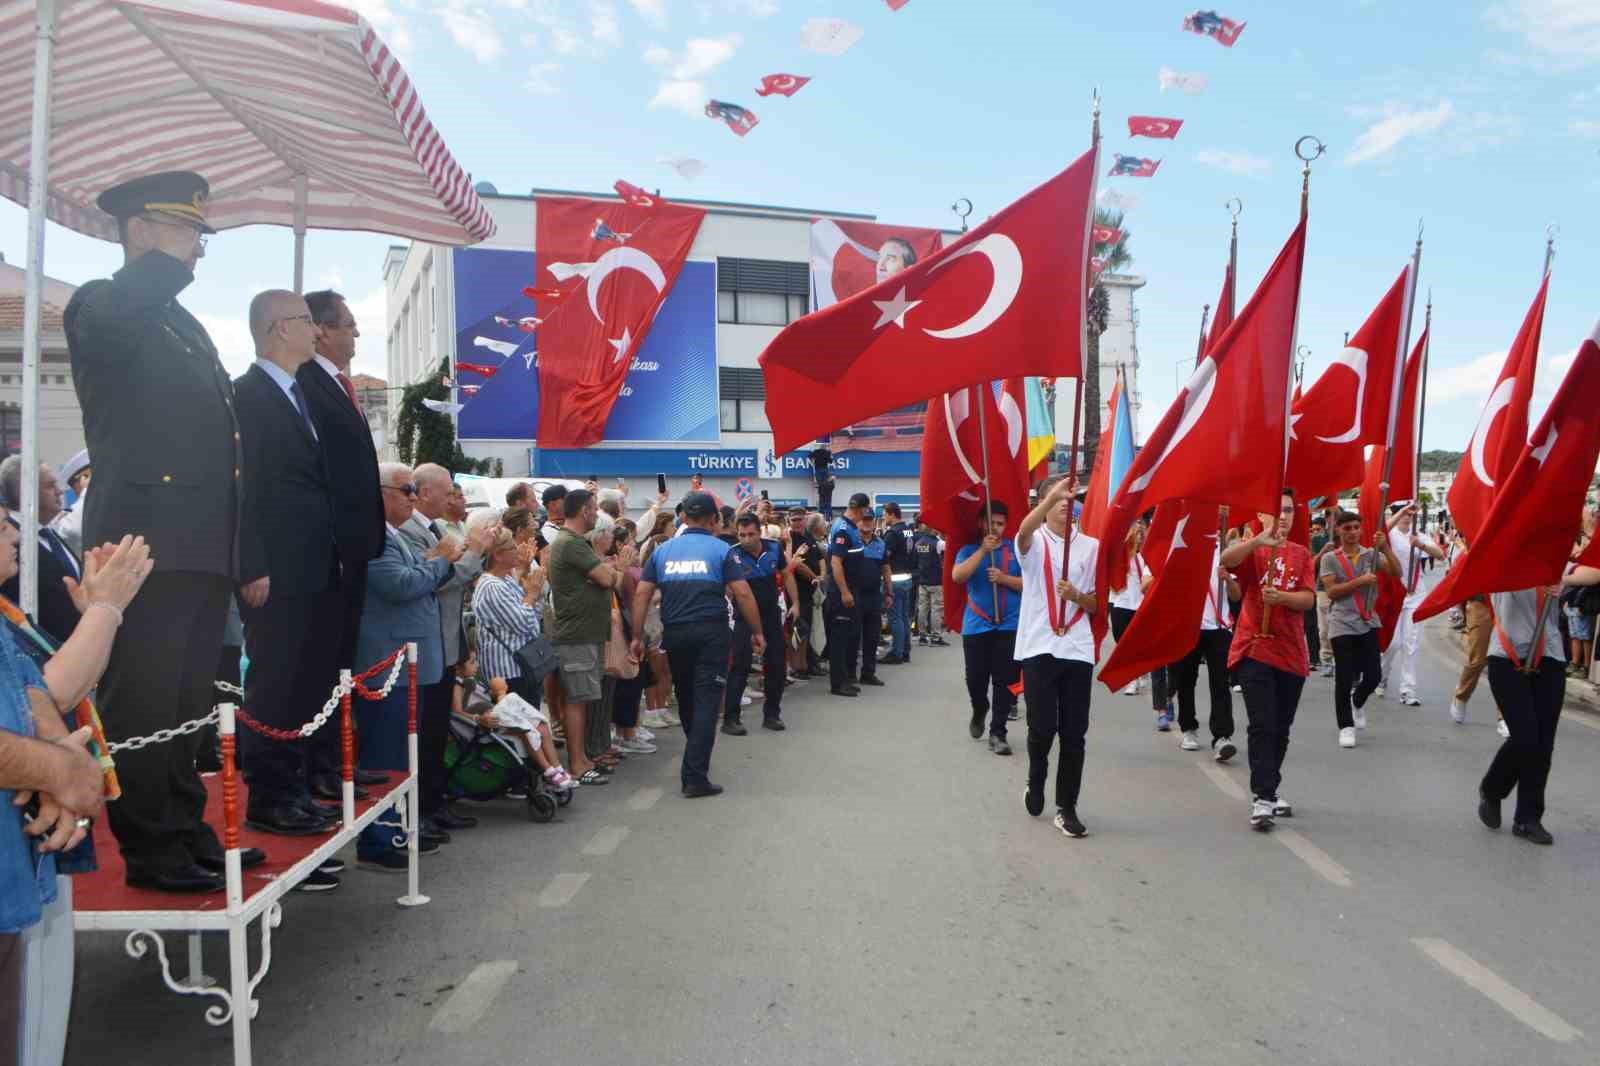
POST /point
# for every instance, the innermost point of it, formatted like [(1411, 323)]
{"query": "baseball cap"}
[(699, 505)]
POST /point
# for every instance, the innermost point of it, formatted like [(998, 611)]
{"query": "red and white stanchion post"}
[(347, 745), (238, 951), (413, 896)]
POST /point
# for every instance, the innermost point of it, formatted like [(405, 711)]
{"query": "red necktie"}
[(350, 391)]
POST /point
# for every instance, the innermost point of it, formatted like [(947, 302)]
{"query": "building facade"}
[(60, 417)]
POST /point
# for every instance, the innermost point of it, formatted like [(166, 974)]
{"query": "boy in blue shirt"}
[(993, 576)]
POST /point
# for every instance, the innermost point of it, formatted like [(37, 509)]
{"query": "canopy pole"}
[(38, 186), (300, 232)]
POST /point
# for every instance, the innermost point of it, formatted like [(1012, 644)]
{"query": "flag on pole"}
[(1165, 129), (1111, 462), (1402, 485), (1224, 31), (787, 84), (635, 196), (1525, 539), (1041, 428), (1223, 317), (1132, 166)]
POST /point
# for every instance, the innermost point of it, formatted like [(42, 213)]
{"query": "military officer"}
[(158, 415)]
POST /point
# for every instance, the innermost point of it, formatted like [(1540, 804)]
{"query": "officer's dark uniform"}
[(928, 572), (867, 586), (158, 415), (897, 550), (693, 571), (765, 575), (844, 621)]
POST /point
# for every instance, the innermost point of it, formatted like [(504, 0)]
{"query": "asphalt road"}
[(870, 890)]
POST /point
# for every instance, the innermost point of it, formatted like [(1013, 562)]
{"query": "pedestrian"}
[(805, 562), (158, 418), (58, 614), (1211, 648), (1410, 548), (845, 570), (902, 593), (1527, 676), (872, 593), (554, 499), (993, 576), (1349, 578), (1268, 655), (1324, 539), (927, 550), (1055, 643), (68, 525), (696, 574), (761, 563), (1478, 625), (1125, 602)]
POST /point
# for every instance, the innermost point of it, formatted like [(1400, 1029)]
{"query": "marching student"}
[(1349, 578), (1124, 602), (1269, 649), (1056, 646), (993, 576), (1527, 674), (1411, 549), (1212, 646)]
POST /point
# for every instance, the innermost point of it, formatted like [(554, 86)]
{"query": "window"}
[(761, 292), (744, 399), (10, 429)]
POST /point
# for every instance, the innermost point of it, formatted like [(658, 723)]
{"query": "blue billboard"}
[(669, 397), (708, 462)]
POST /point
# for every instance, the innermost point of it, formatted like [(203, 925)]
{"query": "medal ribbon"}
[(1057, 604), (1362, 606)]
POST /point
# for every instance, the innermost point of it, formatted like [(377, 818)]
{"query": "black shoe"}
[(286, 821), (431, 831), (1489, 811), (774, 724), (1011, 715), (392, 861), (1033, 801), (1532, 832), (448, 819), (216, 863), (846, 691), (332, 866), (371, 777), (318, 881), (190, 877), (1067, 822), (329, 814), (734, 728), (939, 642), (707, 789), (922, 641), (975, 727), (872, 679), (999, 746), (892, 660)]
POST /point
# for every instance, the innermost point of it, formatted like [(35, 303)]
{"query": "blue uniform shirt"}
[(981, 616), (692, 571), (764, 572), (873, 553)]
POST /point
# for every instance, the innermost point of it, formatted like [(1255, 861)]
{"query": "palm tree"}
[(1113, 257)]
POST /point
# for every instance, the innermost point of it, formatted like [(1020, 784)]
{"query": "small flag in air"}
[(444, 407), (476, 368), (603, 232), (536, 292), (635, 196), (1193, 84), (685, 166), (896, 5), (1146, 126), (1097, 265), (1106, 235), (1210, 24), (739, 119), (831, 37), (526, 324), (786, 84), (1131, 166)]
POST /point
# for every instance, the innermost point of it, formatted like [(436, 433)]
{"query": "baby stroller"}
[(482, 764)]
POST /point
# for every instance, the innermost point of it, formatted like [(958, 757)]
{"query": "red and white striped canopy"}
[(255, 95)]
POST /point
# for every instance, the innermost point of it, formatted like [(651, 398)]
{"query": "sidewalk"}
[(1442, 640)]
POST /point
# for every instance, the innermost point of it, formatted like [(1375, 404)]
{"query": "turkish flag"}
[(951, 490), (1158, 539), (1147, 126), (1526, 538), (1167, 623), (1225, 300), (896, 5), (1498, 439), (1132, 166), (1348, 406), (1098, 496), (635, 196), (1221, 441), (1005, 300), (586, 345), (786, 84), (1402, 486), (1106, 235)]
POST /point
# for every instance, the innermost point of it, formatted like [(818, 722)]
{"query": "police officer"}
[(158, 416), (696, 572), (843, 612), (927, 553), (871, 588), (762, 564), (897, 550)]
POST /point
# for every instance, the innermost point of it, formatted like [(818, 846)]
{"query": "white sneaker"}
[(1458, 712), (1379, 693), (1327, 669), (635, 746), (1131, 690), (669, 719), (1223, 749), (1409, 699), (1347, 737), (746, 700), (1282, 808), (1260, 814), (1191, 741), (1237, 688), (652, 719), (645, 735), (1359, 716), (1500, 727)]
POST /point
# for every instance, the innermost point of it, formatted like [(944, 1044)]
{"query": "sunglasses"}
[(409, 490)]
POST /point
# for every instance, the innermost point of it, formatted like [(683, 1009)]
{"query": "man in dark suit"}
[(58, 615), (158, 417), (289, 591), (352, 464)]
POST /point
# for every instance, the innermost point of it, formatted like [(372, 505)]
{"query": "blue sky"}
[(1482, 119)]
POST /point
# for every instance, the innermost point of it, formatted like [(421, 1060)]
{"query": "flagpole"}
[(1421, 415), (1403, 348), (1233, 258), (1200, 344), (1529, 665)]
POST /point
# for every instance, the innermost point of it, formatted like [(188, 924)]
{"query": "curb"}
[(1443, 641)]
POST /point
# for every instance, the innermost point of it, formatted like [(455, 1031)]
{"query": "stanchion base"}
[(198, 981), (413, 901)]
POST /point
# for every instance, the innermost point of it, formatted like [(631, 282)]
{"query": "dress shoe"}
[(848, 690), (1488, 811), (707, 789), (216, 863), (190, 877), (331, 788), (448, 819), (289, 821), (775, 724), (892, 660), (431, 831), (318, 880), (733, 727), (872, 680), (371, 777), (1532, 832)]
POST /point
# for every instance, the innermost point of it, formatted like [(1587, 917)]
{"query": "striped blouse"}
[(505, 623)]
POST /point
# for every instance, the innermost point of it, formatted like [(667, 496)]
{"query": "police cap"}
[(179, 195)]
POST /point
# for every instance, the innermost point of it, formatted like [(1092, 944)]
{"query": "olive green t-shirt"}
[(581, 609)]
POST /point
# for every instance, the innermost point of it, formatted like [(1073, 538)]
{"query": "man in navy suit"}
[(58, 615), (288, 567)]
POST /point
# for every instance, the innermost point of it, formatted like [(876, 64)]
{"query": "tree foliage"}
[(424, 436), (1114, 256)]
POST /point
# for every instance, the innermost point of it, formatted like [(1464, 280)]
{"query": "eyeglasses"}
[(409, 490), (200, 238), (294, 318)]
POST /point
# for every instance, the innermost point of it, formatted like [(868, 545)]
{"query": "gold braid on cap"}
[(190, 211)]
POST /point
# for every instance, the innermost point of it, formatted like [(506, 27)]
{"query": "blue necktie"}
[(300, 404)]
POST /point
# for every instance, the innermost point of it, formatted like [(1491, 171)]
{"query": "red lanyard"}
[(1057, 604), (1538, 644), (999, 592), (1216, 608), (1359, 595), (1138, 568)]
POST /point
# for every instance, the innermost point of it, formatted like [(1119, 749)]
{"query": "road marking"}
[(472, 998), (1312, 856), (1582, 719), (1513, 1001), (561, 889), (644, 799), (606, 840), (1228, 785)]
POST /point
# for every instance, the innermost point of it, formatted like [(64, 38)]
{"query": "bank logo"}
[(771, 465)]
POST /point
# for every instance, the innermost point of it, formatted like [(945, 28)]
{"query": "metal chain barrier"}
[(388, 686), (162, 736)]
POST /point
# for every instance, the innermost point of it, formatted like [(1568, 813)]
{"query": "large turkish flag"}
[(1167, 623), (625, 259)]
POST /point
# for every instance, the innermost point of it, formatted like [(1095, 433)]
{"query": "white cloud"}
[(1585, 127), (1382, 138), (1563, 33), (371, 312), (658, 55), (1474, 378), (603, 25), (232, 337), (473, 31), (652, 11), (565, 41), (700, 56), (1242, 163), (686, 96), (530, 40), (540, 81), (395, 29), (759, 8)]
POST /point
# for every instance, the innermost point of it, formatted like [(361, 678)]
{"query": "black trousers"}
[(159, 675), (1058, 706), (844, 639), (1271, 696), (1313, 637), (1121, 619), (698, 656), (871, 630), (991, 671), (772, 664), (433, 735), (292, 642), (1531, 706), (323, 753), (1212, 649), (1357, 672)]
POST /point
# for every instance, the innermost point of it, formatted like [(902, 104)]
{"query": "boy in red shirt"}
[(1269, 661)]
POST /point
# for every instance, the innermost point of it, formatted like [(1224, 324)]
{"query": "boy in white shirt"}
[(1409, 549), (1056, 647)]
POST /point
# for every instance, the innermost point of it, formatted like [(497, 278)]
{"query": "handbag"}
[(619, 661), (537, 658)]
